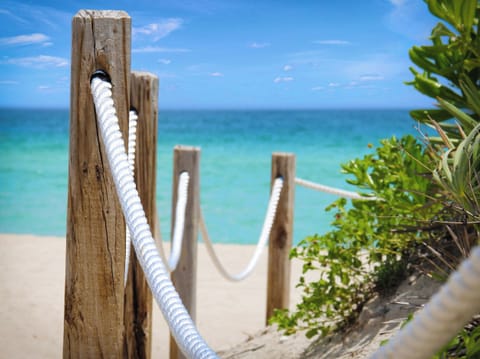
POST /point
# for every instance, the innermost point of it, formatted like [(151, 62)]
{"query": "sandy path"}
[(32, 288)]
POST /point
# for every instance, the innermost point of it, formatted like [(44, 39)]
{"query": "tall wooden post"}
[(186, 159), (94, 289), (280, 242), (138, 297)]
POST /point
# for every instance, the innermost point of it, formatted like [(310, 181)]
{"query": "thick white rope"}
[(181, 325), (179, 227), (132, 143), (262, 241), (182, 196), (442, 317), (332, 190)]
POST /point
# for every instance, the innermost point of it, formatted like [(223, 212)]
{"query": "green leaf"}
[(465, 120), (446, 167), (424, 115), (441, 30), (436, 9), (471, 92), (471, 64), (420, 58), (427, 86), (467, 13)]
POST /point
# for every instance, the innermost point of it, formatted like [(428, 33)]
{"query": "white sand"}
[(32, 274)]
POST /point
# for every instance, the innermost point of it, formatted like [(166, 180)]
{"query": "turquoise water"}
[(235, 164)]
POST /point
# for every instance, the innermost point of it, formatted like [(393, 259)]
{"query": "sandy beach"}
[(32, 274)]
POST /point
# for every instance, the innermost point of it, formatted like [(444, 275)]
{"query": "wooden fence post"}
[(186, 159), (95, 247), (138, 297), (280, 242)]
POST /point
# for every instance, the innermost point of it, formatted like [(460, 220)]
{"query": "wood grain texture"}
[(281, 236), (138, 296), (94, 293), (185, 276)]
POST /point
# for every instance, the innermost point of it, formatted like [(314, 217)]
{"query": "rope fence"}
[(262, 240), (442, 317)]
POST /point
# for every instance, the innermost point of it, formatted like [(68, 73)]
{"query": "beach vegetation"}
[(448, 69), (371, 240), (428, 214)]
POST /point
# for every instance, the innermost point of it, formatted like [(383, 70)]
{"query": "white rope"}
[(332, 190), (442, 317), (132, 143), (181, 325), (182, 195), (179, 227), (262, 241)]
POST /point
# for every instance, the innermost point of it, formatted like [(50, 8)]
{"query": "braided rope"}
[(182, 197), (262, 241), (442, 317), (132, 143), (181, 325), (332, 190)]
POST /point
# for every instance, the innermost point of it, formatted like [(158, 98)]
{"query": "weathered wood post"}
[(280, 242), (94, 288), (138, 297), (186, 159)]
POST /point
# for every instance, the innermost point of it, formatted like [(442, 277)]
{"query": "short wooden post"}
[(95, 247), (186, 159), (138, 297), (280, 242)]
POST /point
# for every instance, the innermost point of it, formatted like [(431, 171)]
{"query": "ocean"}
[(236, 149)]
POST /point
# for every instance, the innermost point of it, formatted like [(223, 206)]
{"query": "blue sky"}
[(229, 54)]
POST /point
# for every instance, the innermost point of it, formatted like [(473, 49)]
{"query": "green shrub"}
[(366, 234)]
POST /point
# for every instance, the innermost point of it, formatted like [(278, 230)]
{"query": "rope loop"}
[(262, 241)]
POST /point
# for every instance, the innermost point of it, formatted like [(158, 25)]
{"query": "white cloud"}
[(164, 61), (287, 68), (258, 45), (158, 30), (216, 74), (331, 42), (26, 40), (283, 79), (41, 61), (333, 84), (318, 88), (148, 49), (371, 77)]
